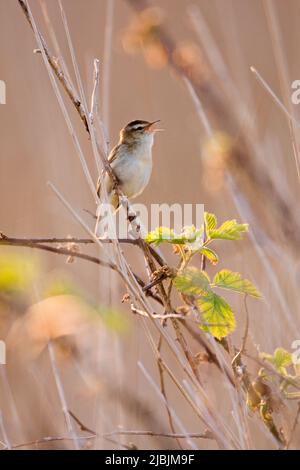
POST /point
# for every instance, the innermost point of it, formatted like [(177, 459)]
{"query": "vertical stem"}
[(163, 391), (61, 395), (108, 34), (4, 434)]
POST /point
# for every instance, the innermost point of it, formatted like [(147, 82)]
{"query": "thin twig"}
[(61, 394), (4, 433), (162, 316), (162, 397), (267, 87), (107, 59), (38, 244), (95, 93), (204, 435), (163, 389), (238, 355), (32, 242), (244, 340), (82, 426), (46, 440)]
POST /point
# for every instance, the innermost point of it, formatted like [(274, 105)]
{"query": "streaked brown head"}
[(137, 129)]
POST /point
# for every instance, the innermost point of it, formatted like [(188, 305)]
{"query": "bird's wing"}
[(114, 152), (111, 158)]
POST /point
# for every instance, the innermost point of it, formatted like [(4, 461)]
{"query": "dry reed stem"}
[(62, 396), (163, 390), (64, 80), (163, 399), (4, 433)]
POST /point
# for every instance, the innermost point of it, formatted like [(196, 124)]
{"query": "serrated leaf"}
[(210, 221), (192, 281), (229, 230), (160, 235), (189, 236), (227, 279), (217, 313), (210, 254), (281, 359)]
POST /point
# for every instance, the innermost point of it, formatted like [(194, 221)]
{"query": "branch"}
[(32, 243), (46, 440), (5, 240), (39, 243), (163, 316), (82, 426)]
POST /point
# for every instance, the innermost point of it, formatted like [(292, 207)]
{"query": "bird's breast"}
[(134, 171)]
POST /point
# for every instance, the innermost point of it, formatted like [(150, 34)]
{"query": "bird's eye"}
[(140, 128)]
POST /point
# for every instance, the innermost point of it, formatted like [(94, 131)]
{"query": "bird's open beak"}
[(151, 127)]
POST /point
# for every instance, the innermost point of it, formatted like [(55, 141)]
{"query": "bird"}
[(131, 162)]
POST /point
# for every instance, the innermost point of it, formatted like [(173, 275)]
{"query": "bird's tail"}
[(103, 213)]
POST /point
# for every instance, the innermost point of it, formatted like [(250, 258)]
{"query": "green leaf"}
[(229, 230), (229, 280), (217, 313), (160, 235), (192, 281), (210, 221), (281, 359), (210, 254), (189, 236)]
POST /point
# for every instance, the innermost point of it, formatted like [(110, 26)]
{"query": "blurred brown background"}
[(36, 148)]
